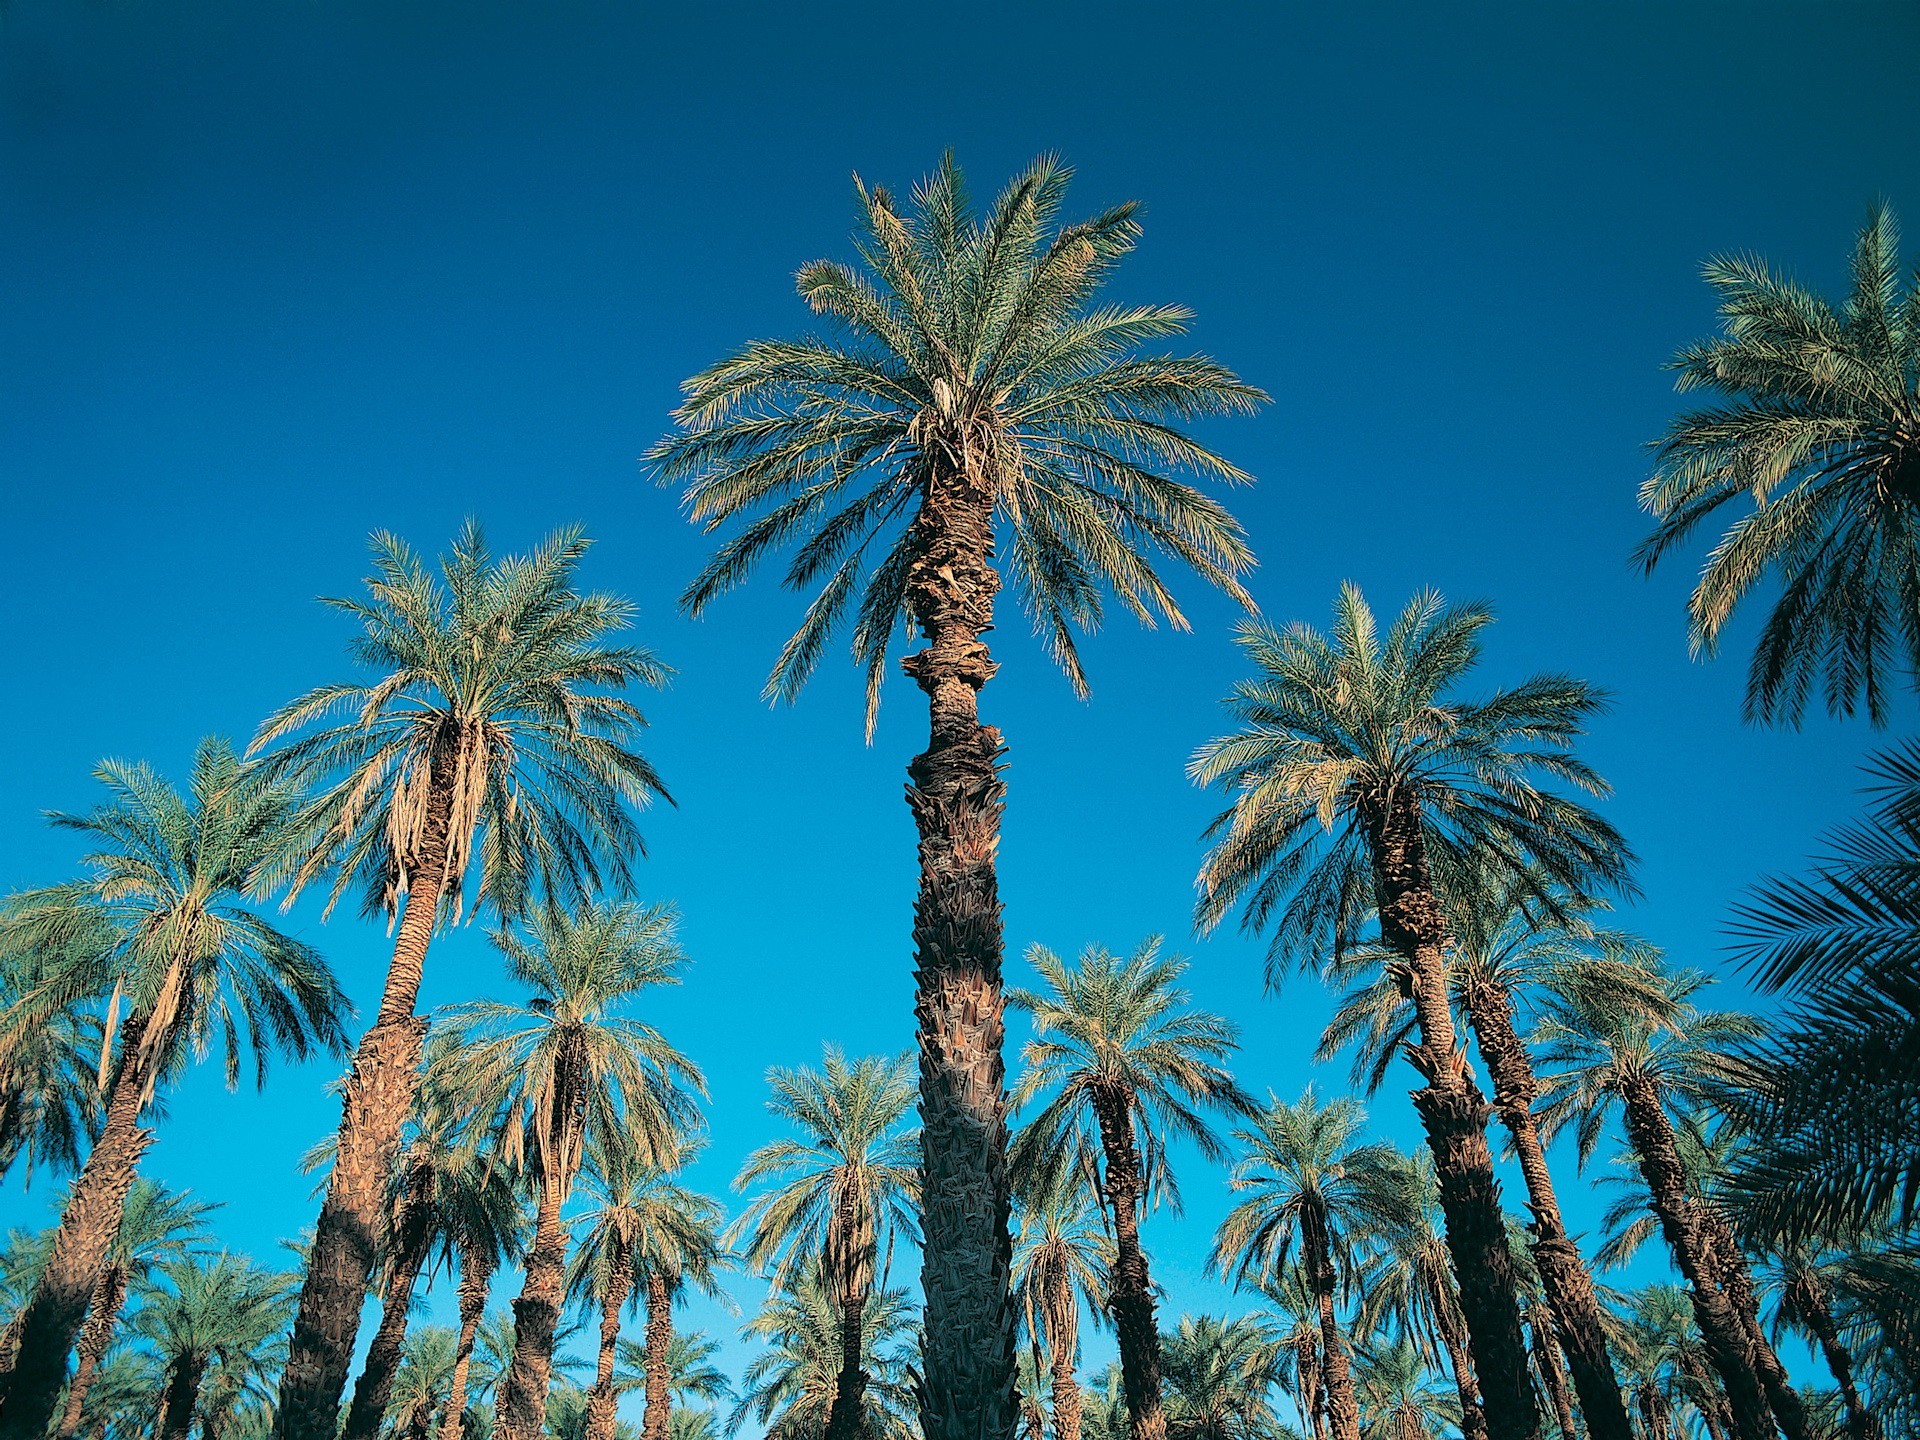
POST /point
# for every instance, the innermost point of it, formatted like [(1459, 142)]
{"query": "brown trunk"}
[(103, 1318), (847, 1418), (1654, 1414), (1563, 1274), (659, 1414), (1737, 1280), (1651, 1136), (536, 1313), (183, 1393), (1809, 1299), (1342, 1409), (476, 1276), (1131, 1296), (1546, 1363), (407, 1252), (89, 1224), (1306, 1364), (955, 793), (1454, 1114), (600, 1399), (1062, 1322), (1473, 1414)]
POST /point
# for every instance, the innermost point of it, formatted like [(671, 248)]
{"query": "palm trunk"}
[(96, 1336), (182, 1395), (1454, 1114), (536, 1313), (1473, 1413), (1654, 1414), (380, 1086), (1132, 1291), (1061, 1320), (1342, 1409), (1563, 1274), (476, 1276), (847, 1419), (658, 1420), (1737, 1281), (407, 1252), (88, 1227), (1816, 1313), (955, 793), (600, 1399), (1546, 1363), (1306, 1364), (1651, 1135)]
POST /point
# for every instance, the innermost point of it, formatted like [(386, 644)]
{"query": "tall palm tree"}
[(1220, 1377), (1817, 426), (1643, 1062), (210, 1316), (1802, 1283), (543, 1077), (157, 1226), (842, 1190), (423, 1380), (644, 1227), (486, 734), (789, 1388), (481, 1225), (157, 924), (975, 407), (1313, 1190), (1126, 1066), (1360, 783), (1061, 1257), (687, 1368), (1667, 1367), (1400, 1396)]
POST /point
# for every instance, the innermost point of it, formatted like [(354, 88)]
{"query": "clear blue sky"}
[(279, 272)]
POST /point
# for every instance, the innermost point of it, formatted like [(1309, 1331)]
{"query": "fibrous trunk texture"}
[(536, 1313), (476, 1277), (1737, 1280), (96, 1336), (89, 1224), (658, 1419), (406, 1253), (1343, 1410), (182, 1395), (1062, 1324), (1563, 1274), (1132, 1291), (1473, 1414), (380, 1088), (1546, 1363), (600, 1399), (1651, 1135), (1454, 1114), (955, 792), (1816, 1311), (1306, 1364), (847, 1418)]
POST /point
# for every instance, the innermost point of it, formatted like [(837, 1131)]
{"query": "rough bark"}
[(96, 1336), (1343, 1410), (406, 1253), (536, 1313), (1132, 1292), (657, 1420), (1737, 1280), (1306, 1365), (967, 1390), (600, 1399), (1563, 1274), (476, 1277), (182, 1395), (1473, 1413), (1454, 1114), (846, 1419), (1652, 1138), (88, 1227), (1062, 1324), (1810, 1301), (380, 1087), (1654, 1415), (1546, 1363)]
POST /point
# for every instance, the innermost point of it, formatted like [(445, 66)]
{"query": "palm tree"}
[(158, 925), (688, 1367), (790, 1387), (1641, 1061), (1803, 1284), (1400, 1396), (422, 1381), (975, 407), (648, 1227), (1061, 1257), (1360, 784), (1297, 1317), (481, 1225), (49, 1094), (486, 733), (1129, 1067), (543, 1077), (842, 1190), (157, 1226), (1666, 1364), (1312, 1190), (1220, 1377), (210, 1316), (1819, 426)]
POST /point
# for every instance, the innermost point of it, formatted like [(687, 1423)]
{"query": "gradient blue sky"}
[(280, 272)]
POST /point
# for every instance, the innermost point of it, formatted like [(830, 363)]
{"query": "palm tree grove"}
[(1400, 661)]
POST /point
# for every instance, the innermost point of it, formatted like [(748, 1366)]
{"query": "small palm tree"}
[(1667, 1367), (1820, 430), (1313, 1190), (482, 1222), (842, 1191), (421, 1385), (486, 735), (689, 1371), (790, 1387), (1061, 1257), (49, 1049), (1296, 1312), (1361, 783), (543, 1077), (1126, 1067), (975, 407), (210, 1323), (1401, 1398), (1220, 1378), (158, 926)]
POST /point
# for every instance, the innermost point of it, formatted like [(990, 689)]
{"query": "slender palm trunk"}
[(88, 1226), (1473, 1413), (658, 1418), (407, 1252), (955, 792), (1816, 1313), (1454, 1114), (1132, 1293), (96, 1336), (600, 1399), (182, 1395), (1061, 1320), (1737, 1280), (1306, 1364), (1343, 1410), (1553, 1380), (380, 1087), (536, 1313), (1654, 1415), (476, 1277), (847, 1418), (1563, 1274), (1651, 1135)]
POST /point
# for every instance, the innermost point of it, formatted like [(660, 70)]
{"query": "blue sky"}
[(280, 272)]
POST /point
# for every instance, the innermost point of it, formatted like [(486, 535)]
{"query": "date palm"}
[(1360, 781), (158, 927), (790, 1387), (1816, 437), (689, 1370), (842, 1190), (1401, 1398), (422, 1381), (50, 1041), (1125, 1066), (1221, 1375), (486, 736), (210, 1324), (1667, 1368), (481, 1225), (1061, 1257), (544, 1077), (976, 412)]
